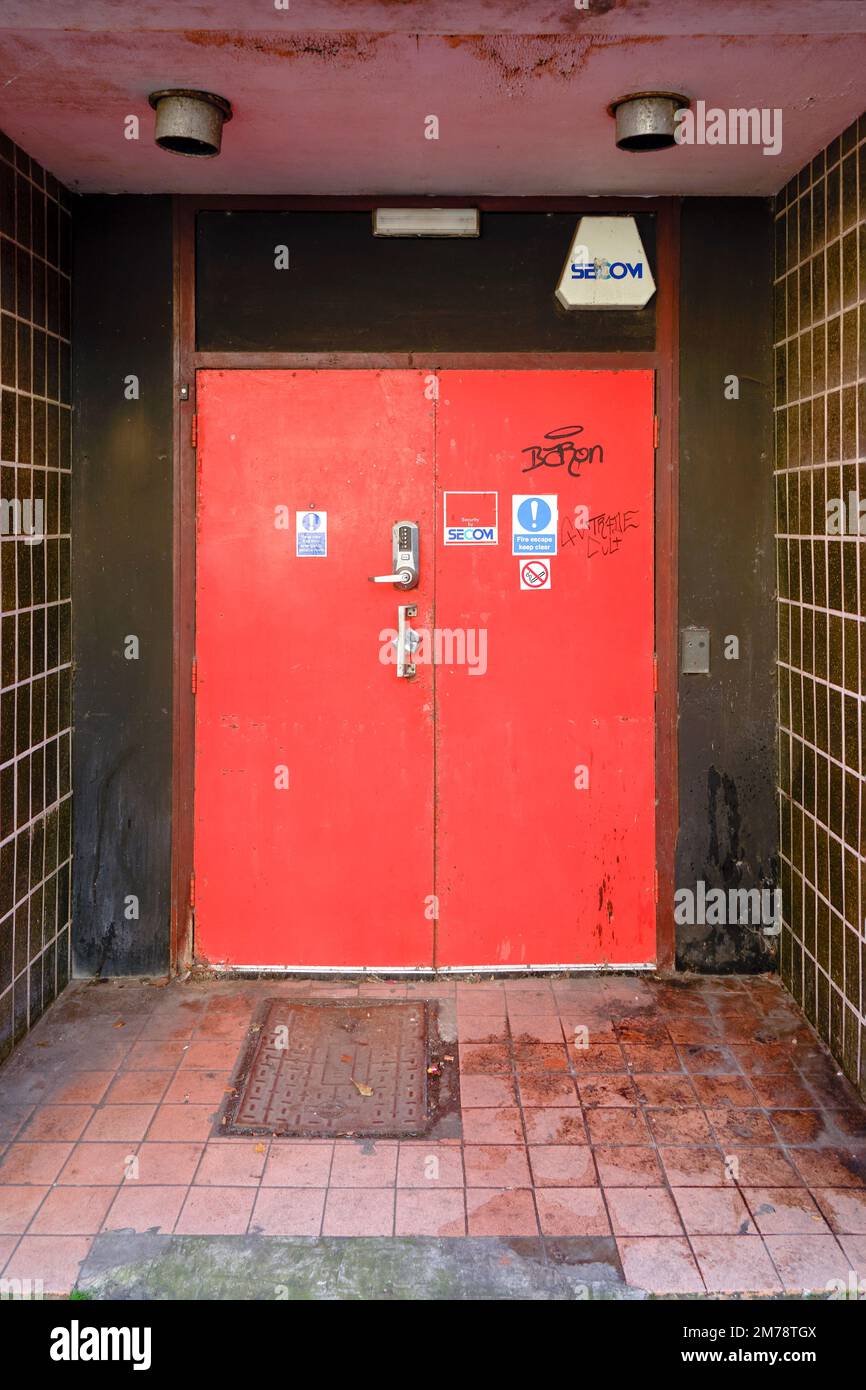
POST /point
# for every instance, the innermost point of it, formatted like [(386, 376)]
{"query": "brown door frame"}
[(663, 360)]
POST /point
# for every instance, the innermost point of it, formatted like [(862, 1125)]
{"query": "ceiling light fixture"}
[(646, 120), (425, 222), (189, 122)]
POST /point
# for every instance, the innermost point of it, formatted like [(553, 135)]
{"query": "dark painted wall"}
[(122, 585), (727, 748), (346, 290)]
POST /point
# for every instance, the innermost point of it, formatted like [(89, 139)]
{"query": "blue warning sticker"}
[(534, 521), (311, 533)]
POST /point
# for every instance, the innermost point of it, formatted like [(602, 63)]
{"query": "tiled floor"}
[(699, 1123)]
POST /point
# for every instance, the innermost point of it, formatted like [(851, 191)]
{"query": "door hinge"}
[(655, 431), (194, 676), (193, 438), (655, 672), (192, 890)]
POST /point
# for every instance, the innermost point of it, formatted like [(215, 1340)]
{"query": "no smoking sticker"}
[(535, 574)]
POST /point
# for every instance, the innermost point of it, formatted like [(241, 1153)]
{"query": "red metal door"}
[(315, 837), (533, 867), (314, 764)]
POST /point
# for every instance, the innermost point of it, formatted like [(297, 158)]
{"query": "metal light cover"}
[(645, 120), (189, 122), (426, 222)]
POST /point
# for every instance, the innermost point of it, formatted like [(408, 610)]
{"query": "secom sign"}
[(606, 267)]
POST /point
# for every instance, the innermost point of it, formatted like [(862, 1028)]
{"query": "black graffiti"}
[(562, 451), (603, 534)]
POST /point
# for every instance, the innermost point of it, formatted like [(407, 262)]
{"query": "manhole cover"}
[(324, 1068)]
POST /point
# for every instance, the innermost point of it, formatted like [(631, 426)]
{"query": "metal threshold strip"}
[(430, 972)]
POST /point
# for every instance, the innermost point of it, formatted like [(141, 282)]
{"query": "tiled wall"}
[(35, 674), (820, 368)]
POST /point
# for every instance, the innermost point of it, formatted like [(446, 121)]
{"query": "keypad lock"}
[(404, 557)]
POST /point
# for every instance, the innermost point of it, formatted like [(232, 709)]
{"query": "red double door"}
[(496, 808)]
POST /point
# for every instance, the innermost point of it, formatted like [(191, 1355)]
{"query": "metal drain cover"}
[(347, 1067)]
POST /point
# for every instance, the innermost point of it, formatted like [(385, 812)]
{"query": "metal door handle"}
[(403, 577), (405, 642), (404, 556)]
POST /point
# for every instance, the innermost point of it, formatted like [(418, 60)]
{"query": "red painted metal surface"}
[(334, 869), (530, 869), (348, 866)]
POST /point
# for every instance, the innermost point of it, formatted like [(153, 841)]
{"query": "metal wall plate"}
[(695, 651)]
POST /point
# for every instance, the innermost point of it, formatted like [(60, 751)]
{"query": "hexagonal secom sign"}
[(606, 267)]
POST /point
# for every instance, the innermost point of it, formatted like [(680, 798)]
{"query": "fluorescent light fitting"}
[(425, 222)]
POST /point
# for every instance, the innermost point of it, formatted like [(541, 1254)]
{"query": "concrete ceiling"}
[(330, 96)]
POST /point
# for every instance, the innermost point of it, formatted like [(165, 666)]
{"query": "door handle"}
[(407, 640), (403, 577), (404, 556)]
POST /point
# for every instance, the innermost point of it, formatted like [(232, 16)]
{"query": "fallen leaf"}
[(345, 1059), (361, 1088), (120, 1023), (260, 1148)]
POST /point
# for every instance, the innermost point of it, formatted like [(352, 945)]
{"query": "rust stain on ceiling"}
[(331, 48)]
